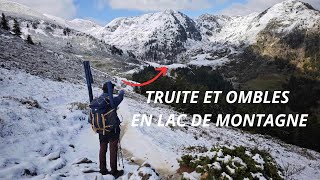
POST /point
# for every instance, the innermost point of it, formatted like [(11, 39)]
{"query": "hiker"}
[(112, 135)]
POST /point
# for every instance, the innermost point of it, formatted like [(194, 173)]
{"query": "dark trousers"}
[(113, 146)]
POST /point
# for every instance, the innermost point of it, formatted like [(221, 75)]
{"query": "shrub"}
[(29, 40), (236, 162)]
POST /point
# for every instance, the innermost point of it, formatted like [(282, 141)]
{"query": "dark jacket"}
[(114, 102)]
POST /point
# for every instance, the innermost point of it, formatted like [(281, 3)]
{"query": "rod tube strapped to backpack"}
[(89, 78)]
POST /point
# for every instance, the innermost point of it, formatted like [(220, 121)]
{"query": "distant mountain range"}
[(160, 35), (172, 37)]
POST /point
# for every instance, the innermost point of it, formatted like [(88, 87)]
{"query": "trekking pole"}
[(118, 157), (121, 154), (118, 154)]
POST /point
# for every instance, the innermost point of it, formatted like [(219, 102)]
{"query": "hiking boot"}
[(117, 173), (104, 172)]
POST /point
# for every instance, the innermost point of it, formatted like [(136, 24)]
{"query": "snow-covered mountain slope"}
[(20, 9), (60, 36), (15, 53), (13, 7), (281, 18), (55, 64), (82, 25), (55, 32), (211, 24), (154, 36), (44, 134)]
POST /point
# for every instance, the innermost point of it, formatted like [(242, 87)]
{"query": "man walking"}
[(111, 138)]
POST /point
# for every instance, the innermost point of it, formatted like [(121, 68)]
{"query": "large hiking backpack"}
[(103, 118)]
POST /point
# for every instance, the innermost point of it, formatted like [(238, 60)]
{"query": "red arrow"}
[(163, 71)]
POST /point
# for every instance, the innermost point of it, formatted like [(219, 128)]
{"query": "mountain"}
[(281, 18), (168, 35), (171, 37), (290, 37), (13, 7), (20, 9), (54, 32), (64, 36), (211, 24), (84, 25), (155, 36), (77, 24)]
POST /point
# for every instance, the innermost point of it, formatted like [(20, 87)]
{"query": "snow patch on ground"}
[(202, 60)]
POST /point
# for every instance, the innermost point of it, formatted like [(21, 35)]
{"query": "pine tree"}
[(66, 31), (16, 28), (4, 23), (29, 40)]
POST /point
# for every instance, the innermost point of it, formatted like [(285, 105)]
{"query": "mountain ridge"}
[(167, 33), (281, 18), (169, 36)]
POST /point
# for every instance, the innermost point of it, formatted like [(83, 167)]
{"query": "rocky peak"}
[(290, 6)]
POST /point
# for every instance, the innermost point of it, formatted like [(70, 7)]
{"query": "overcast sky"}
[(103, 11)]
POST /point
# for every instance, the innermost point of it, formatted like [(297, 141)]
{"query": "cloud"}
[(258, 6), (61, 8), (155, 5)]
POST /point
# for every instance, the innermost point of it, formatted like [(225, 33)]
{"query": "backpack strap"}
[(104, 124), (98, 121), (108, 112)]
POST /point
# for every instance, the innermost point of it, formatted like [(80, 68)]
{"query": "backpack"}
[(103, 118)]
